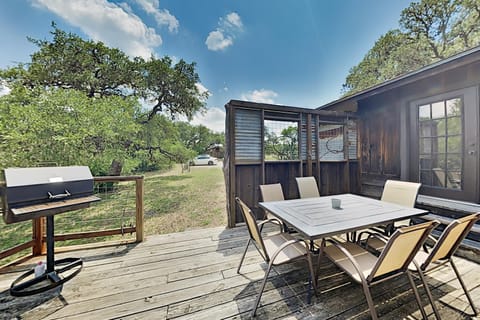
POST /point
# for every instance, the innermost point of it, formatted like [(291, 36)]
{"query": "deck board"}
[(192, 275)]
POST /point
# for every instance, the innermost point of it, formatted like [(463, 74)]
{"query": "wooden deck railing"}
[(38, 242)]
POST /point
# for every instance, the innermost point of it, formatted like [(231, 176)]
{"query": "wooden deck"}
[(192, 275)]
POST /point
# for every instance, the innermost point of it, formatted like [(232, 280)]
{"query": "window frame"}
[(469, 153)]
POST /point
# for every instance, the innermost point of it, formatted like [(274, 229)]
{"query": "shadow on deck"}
[(192, 275)]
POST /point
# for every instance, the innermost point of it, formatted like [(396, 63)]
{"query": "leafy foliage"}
[(393, 54), (81, 102), (430, 30), (70, 62), (283, 146), (198, 138), (64, 127)]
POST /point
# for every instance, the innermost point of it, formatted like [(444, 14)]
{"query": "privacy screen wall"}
[(274, 144)]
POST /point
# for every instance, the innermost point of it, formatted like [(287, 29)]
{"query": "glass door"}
[(445, 144)]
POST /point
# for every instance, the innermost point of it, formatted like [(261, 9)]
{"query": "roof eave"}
[(452, 62)]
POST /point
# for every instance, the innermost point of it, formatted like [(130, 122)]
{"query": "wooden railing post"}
[(139, 209), (37, 243), (37, 236)]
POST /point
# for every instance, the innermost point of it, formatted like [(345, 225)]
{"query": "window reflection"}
[(281, 140), (441, 143)]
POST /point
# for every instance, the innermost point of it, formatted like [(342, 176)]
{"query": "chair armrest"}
[(271, 220), (426, 245), (377, 235), (289, 243), (349, 256)]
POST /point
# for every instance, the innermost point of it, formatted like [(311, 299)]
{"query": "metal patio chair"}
[(271, 192), (275, 249), (399, 192), (442, 254), (367, 269), (307, 187)]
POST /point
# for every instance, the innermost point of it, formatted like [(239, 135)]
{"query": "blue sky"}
[(290, 52)]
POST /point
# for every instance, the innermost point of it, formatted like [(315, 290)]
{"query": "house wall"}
[(245, 166), (384, 126)]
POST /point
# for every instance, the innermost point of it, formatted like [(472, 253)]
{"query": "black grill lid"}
[(15, 177), (35, 192)]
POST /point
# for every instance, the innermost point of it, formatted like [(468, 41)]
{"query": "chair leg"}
[(429, 293), (464, 287), (371, 305), (257, 301), (243, 256), (417, 296), (313, 277), (319, 259)]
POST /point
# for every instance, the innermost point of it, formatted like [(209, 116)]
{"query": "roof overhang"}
[(349, 103)]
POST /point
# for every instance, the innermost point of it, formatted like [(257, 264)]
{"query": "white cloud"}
[(201, 88), (216, 41), (110, 23), (213, 118), (233, 20), (262, 96), (162, 16), (228, 28), (4, 90)]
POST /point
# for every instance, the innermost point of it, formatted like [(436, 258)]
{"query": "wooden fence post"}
[(38, 229), (139, 209)]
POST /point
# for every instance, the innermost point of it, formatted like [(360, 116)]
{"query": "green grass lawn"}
[(173, 202), (177, 202)]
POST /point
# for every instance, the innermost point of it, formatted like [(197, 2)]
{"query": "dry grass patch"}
[(176, 201), (173, 202)]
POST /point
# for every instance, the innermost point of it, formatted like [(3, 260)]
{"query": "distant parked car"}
[(203, 159)]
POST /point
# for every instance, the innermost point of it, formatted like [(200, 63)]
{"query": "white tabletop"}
[(315, 218)]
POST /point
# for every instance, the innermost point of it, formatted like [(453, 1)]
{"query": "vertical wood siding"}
[(246, 169)]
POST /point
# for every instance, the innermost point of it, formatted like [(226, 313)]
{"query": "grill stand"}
[(52, 277)]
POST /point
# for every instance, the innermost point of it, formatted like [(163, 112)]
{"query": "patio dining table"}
[(315, 218)]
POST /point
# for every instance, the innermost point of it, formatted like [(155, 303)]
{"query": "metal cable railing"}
[(117, 217)]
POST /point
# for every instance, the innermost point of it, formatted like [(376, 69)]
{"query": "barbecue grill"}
[(44, 192)]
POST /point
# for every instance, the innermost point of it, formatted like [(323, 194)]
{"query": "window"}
[(441, 136), (281, 140), (444, 145)]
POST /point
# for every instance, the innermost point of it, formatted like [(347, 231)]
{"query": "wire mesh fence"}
[(112, 218)]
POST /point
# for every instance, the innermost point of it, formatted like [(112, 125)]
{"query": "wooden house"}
[(422, 126)]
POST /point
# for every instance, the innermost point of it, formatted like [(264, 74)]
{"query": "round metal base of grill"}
[(64, 270)]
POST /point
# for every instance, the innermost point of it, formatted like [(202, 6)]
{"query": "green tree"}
[(429, 30), (448, 26), (198, 138), (283, 146), (70, 62), (170, 88), (393, 54), (80, 101), (65, 127), (160, 144)]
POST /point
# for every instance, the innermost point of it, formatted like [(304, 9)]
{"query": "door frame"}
[(470, 148)]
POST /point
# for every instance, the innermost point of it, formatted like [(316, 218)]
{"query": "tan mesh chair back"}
[(252, 227), (307, 187), (401, 192), (442, 253), (272, 192), (400, 249), (450, 239), (275, 249), (367, 269)]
